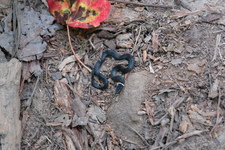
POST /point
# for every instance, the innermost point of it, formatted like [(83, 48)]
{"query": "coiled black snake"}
[(113, 76)]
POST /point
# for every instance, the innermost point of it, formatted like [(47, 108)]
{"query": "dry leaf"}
[(121, 15), (183, 126), (67, 61)]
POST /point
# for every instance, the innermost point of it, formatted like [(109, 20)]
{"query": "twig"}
[(71, 47), (132, 142), (143, 139), (71, 137), (141, 4), (28, 103), (74, 91), (61, 147), (168, 144), (163, 131), (186, 135), (160, 120), (172, 111), (70, 85), (218, 119), (165, 146), (91, 41), (85, 136), (151, 68), (16, 27), (136, 40), (218, 38)]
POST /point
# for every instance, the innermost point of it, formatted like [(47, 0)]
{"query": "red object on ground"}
[(79, 13)]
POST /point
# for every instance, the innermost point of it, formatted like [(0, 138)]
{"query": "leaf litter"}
[(179, 81)]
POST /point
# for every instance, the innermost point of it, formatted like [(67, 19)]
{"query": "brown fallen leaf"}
[(122, 14), (183, 126), (194, 68)]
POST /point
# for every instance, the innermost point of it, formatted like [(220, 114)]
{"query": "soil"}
[(173, 98)]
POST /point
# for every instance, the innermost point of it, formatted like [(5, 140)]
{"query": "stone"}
[(10, 125), (123, 114)]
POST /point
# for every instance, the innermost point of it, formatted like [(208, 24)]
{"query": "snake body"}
[(113, 76)]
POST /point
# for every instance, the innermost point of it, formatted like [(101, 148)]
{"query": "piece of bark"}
[(62, 96), (10, 125)]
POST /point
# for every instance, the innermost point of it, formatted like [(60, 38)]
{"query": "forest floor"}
[(173, 98)]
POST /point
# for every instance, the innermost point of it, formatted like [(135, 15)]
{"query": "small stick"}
[(165, 146), (143, 139), (136, 40), (217, 49), (71, 137), (74, 90), (187, 135), (91, 41), (70, 85), (28, 103), (141, 4), (218, 119), (71, 47), (132, 142)]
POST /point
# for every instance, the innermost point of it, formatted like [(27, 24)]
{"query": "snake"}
[(113, 75)]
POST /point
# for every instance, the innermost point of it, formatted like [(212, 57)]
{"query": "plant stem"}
[(75, 55)]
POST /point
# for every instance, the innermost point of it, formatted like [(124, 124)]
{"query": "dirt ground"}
[(173, 98)]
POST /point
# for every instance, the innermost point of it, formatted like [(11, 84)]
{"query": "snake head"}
[(119, 87)]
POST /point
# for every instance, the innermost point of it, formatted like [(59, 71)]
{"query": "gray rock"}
[(2, 57), (123, 114), (10, 124)]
